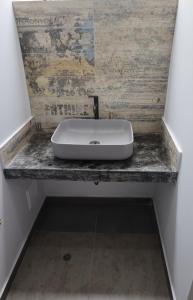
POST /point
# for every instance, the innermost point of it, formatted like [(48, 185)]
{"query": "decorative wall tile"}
[(119, 51), (57, 42), (173, 151), (16, 142), (132, 52), (49, 111)]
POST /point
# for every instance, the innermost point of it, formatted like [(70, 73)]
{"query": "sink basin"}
[(89, 139)]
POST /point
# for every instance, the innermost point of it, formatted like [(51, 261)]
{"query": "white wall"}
[(174, 205), (103, 189), (17, 214), (14, 104)]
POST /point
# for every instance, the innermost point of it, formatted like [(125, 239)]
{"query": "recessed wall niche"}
[(118, 50)]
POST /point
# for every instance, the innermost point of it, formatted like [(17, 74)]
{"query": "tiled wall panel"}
[(118, 50)]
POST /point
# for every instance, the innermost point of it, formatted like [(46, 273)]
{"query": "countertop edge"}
[(93, 175)]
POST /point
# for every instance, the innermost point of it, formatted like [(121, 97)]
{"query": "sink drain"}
[(94, 142)]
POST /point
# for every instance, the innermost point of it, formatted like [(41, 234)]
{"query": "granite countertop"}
[(149, 163)]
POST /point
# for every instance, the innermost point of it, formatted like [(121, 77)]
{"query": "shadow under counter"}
[(113, 215)]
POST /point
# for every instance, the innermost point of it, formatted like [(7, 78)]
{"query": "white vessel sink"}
[(87, 139)]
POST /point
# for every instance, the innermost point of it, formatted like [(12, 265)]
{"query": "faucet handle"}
[(95, 110), (96, 98), (96, 106)]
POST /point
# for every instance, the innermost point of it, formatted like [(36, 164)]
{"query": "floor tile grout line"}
[(92, 255)]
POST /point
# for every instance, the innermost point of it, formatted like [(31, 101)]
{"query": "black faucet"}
[(96, 106)]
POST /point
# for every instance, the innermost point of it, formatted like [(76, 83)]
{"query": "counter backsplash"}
[(119, 51)]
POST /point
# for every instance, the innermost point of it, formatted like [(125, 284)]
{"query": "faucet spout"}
[(96, 106)]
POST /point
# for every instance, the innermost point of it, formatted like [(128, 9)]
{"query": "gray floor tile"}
[(102, 266), (126, 219), (67, 218), (114, 249), (44, 274), (113, 215), (127, 266)]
